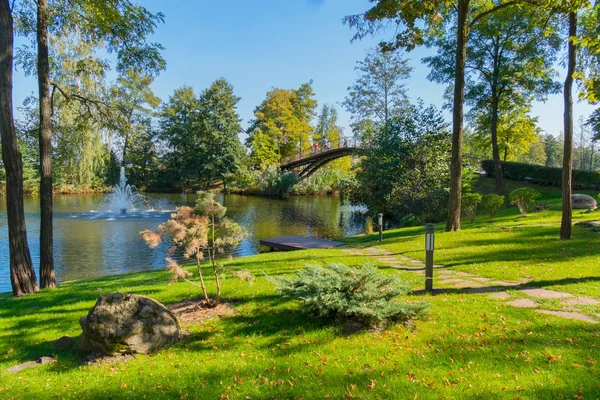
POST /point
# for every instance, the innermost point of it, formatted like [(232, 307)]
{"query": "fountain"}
[(124, 198)]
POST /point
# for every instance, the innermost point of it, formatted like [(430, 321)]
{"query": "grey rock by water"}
[(583, 202), (128, 324)]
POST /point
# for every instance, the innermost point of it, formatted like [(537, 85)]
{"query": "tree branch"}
[(493, 10)]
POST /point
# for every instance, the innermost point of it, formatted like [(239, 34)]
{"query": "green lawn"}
[(471, 346)]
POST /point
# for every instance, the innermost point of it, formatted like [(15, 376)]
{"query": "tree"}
[(135, 101), (327, 128), (223, 152), (417, 21), (536, 153), (510, 56), (554, 150), (22, 274), (377, 93), (413, 150), (281, 124), (199, 230), (120, 27)]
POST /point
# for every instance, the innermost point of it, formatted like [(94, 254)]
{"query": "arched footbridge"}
[(308, 161)]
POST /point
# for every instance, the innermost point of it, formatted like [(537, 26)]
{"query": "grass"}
[(470, 347)]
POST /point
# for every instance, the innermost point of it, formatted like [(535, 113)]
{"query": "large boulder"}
[(128, 324), (583, 202)]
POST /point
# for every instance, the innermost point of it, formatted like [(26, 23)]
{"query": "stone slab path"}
[(464, 282)]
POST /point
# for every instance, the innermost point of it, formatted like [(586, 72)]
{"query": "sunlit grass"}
[(470, 347)]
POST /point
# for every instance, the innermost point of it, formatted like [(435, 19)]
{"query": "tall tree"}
[(510, 58), (416, 21), (282, 124), (22, 274), (378, 94), (554, 150), (119, 26), (47, 278)]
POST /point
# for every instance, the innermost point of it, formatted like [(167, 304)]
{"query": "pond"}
[(88, 243)]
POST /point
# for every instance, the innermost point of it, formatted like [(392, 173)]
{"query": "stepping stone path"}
[(464, 282)]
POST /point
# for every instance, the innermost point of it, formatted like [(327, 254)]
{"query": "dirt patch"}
[(198, 311)]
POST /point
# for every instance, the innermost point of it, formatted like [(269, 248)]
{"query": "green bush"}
[(469, 204), (493, 202), (548, 176), (351, 294), (524, 198)]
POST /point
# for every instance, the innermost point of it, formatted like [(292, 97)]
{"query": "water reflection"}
[(88, 243)]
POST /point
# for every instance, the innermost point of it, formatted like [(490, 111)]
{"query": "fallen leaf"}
[(371, 386)]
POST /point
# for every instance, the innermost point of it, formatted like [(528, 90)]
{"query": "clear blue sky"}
[(258, 45)]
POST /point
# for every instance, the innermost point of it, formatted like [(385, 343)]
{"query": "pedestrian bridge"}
[(308, 161)]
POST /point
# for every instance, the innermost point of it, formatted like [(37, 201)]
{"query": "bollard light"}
[(429, 247), (380, 224)]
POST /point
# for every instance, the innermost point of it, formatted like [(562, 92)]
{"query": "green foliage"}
[(524, 198), (469, 204), (356, 294), (270, 181), (377, 93), (544, 175), (201, 134), (493, 202), (405, 169), (368, 229), (282, 125)]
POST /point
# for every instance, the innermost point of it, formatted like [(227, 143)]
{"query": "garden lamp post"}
[(380, 224), (429, 247)]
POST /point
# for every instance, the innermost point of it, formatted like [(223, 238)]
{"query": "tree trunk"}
[(592, 156), (201, 278), (453, 223), (567, 170), (22, 274), (123, 161), (494, 124), (47, 279)]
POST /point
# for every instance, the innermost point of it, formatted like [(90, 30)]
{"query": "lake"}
[(88, 243)]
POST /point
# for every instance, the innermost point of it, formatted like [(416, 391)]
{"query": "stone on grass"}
[(580, 301), (583, 202), (570, 315), (500, 295), (30, 364), (588, 224), (128, 324), (523, 303), (64, 343), (544, 293)]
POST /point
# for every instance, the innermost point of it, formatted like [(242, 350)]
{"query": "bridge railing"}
[(342, 142)]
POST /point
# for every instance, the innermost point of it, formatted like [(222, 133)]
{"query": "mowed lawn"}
[(470, 346)]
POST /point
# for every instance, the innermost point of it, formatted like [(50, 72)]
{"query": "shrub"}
[(493, 202), (369, 226), (549, 176), (351, 294), (469, 202), (524, 198)]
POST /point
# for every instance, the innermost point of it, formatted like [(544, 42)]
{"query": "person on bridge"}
[(316, 147), (345, 142), (326, 144)]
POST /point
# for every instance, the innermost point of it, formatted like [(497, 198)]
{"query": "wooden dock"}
[(289, 243)]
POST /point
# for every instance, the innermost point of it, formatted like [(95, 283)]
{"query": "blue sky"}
[(258, 45)]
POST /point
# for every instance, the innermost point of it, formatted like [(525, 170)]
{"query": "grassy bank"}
[(471, 346)]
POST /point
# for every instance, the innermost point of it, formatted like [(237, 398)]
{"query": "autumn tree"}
[(22, 274), (416, 22), (378, 93), (282, 124), (198, 231), (510, 58)]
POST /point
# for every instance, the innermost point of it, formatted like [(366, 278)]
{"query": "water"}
[(90, 243)]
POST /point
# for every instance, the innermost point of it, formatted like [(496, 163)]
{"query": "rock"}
[(588, 224), (30, 364), (583, 202), (64, 343), (128, 324)]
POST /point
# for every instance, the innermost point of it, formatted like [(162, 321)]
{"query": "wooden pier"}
[(289, 243)]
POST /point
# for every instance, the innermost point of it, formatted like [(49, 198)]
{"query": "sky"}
[(259, 45)]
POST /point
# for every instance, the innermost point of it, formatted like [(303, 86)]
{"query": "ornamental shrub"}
[(343, 293), (469, 204), (493, 202), (524, 198)]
